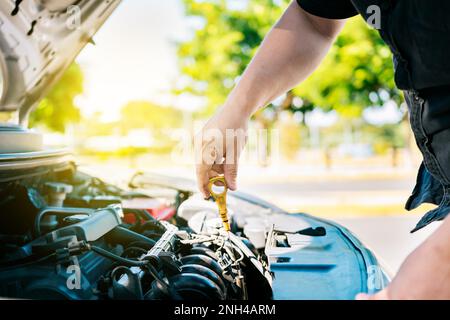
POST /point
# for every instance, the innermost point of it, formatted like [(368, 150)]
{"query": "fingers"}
[(230, 168), (362, 296), (207, 154), (217, 152), (382, 295), (204, 173), (230, 173), (203, 179), (217, 169)]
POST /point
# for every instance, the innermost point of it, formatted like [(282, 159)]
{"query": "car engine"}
[(67, 235)]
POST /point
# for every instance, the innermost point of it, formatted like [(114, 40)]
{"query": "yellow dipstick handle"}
[(221, 199)]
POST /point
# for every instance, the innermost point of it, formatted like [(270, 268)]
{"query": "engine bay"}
[(72, 236), (65, 234)]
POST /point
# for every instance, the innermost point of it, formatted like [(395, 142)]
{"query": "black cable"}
[(141, 244), (313, 232), (135, 249), (171, 292), (113, 256)]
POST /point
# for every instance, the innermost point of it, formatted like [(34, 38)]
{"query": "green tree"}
[(221, 49), (159, 120), (144, 114), (354, 75), (358, 66), (58, 109)]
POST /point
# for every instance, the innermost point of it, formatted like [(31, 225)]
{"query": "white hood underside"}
[(38, 41)]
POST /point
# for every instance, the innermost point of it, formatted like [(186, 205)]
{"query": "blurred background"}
[(337, 146)]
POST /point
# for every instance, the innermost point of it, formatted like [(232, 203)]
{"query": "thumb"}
[(381, 295), (362, 296), (230, 174)]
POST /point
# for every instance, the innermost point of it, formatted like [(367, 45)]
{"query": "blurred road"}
[(389, 237), (321, 185), (300, 191)]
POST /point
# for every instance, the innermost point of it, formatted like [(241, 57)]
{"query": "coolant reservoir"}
[(206, 222), (194, 205), (56, 194), (255, 231), (202, 215)]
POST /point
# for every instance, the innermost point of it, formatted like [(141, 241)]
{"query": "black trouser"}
[(430, 122)]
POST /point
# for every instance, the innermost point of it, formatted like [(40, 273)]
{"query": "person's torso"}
[(418, 33)]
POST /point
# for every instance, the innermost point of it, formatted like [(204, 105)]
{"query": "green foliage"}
[(159, 120), (385, 137), (358, 64), (57, 109), (144, 114), (124, 152), (290, 138), (93, 126), (220, 50)]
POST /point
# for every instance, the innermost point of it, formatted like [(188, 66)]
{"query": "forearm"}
[(439, 242), (289, 53), (425, 274)]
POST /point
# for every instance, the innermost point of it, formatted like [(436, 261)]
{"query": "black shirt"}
[(417, 32), (330, 9)]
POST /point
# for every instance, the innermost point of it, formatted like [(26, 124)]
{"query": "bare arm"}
[(289, 53), (425, 274)]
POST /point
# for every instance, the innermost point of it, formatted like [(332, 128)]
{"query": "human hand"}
[(218, 147)]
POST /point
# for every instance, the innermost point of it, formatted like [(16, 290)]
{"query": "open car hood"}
[(38, 41)]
